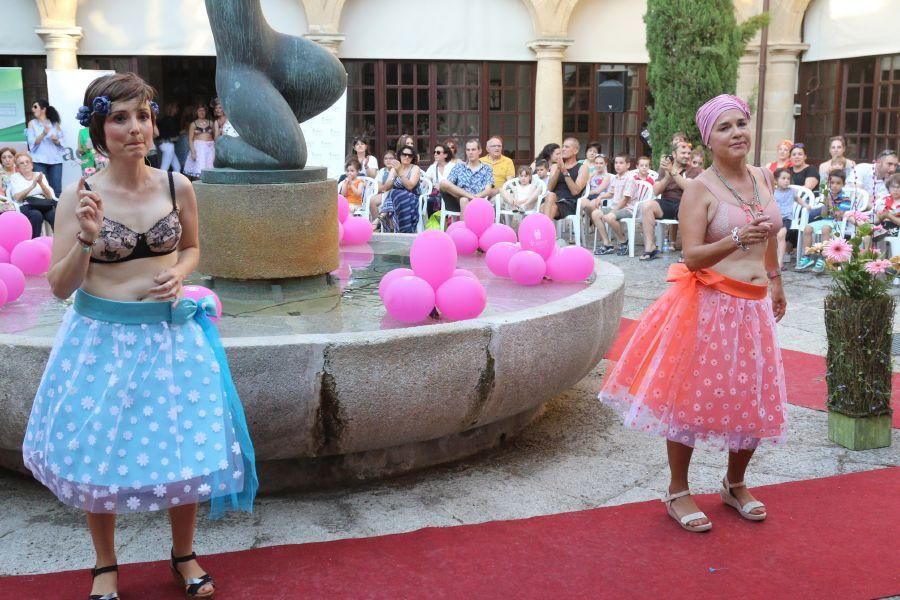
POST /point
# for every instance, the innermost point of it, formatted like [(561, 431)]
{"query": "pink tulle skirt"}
[(206, 154), (703, 366)]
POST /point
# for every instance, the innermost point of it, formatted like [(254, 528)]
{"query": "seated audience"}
[(549, 153), (472, 179), (567, 182), (802, 173), (675, 171), (838, 160), (542, 170), (824, 219), (698, 158), (888, 207), (598, 183), (783, 161), (400, 210), (437, 171), (33, 194), (352, 187), (621, 206), (501, 165), (524, 194), (592, 151), (450, 146)]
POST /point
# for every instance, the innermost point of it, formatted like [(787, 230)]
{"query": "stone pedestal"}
[(267, 230)]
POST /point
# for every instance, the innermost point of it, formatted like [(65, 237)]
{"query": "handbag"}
[(39, 202)]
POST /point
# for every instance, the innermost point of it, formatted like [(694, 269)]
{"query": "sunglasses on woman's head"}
[(801, 146)]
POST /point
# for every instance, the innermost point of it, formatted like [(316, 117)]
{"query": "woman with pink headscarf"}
[(703, 366)]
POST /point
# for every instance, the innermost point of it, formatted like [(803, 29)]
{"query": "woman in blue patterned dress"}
[(401, 206), (136, 410)]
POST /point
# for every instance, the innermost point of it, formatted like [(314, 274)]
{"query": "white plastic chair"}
[(800, 218), (425, 187), (369, 192), (510, 187), (643, 192), (573, 221)]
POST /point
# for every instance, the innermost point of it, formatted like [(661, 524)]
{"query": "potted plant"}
[(859, 315)]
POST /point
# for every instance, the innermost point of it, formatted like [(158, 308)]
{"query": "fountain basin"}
[(335, 391)]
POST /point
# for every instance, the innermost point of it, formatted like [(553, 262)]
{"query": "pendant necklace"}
[(752, 209)]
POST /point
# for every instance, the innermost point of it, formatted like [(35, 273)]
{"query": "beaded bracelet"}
[(735, 236)]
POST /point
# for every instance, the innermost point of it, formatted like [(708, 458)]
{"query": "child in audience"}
[(352, 187), (786, 197), (823, 219), (542, 170), (643, 170), (621, 206), (887, 207), (698, 158), (383, 181), (524, 194), (598, 183)]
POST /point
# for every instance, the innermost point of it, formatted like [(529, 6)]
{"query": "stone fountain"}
[(334, 390)]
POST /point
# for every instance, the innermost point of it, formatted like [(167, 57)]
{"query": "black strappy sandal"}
[(100, 571), (192, 586), (650, 255)]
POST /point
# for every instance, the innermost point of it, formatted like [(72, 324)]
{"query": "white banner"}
[(65, 91), (326, 138)]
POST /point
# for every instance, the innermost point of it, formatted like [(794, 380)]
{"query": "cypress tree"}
[(694, 48)]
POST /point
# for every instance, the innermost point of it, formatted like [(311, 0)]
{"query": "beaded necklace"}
[(751, 209)]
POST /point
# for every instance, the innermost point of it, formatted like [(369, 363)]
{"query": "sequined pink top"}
[(728, 214)]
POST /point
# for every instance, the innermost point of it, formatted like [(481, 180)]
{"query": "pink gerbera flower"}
[(838, 250), (877, 267)]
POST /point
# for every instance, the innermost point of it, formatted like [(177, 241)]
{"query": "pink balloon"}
[(196, 292), (4, 255), (497, 258), (409, 299), (538, 234), (461, 298), (433, 257), (31, 256), (479, 215), (495, 234), (570, 264), (47, 240), (343, 208), (465, 241), (359, 256), (527, 268), (456, 225), (392, 276), (14, 279), (340, 233), (465, 273), (3, 293), (357, 230), (15, 228)]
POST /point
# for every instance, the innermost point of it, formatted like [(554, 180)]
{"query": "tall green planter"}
[(859, 370)]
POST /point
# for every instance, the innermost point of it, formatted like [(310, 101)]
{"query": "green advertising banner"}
[(12, 105)]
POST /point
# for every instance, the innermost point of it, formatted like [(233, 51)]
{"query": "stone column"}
[(62, 46), (781, 86), (548, 93), (330, 41)]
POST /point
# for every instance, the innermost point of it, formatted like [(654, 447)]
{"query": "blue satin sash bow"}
[(201, 311)]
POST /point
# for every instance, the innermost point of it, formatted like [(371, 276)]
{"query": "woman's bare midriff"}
[(129, 281), (745, 266)]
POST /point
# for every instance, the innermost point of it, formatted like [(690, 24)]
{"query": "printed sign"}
[(12, 106), (326, 135)]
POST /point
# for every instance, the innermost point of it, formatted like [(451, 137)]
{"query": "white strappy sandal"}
[(683, 521), (729, 499)]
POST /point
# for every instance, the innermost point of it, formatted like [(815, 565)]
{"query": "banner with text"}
[(12, 108), (325, 135)]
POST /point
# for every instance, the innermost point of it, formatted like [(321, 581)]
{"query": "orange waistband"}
[(678, 273)]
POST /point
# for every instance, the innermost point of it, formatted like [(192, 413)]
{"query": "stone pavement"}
[(576, 456)]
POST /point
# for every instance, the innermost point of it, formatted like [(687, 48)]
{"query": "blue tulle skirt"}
[(136, 411)]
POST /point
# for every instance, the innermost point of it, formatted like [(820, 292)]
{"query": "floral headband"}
[(100, 106)]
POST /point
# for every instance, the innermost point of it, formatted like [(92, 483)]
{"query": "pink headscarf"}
[(708, 113)]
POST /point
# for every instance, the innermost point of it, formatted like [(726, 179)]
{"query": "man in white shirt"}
[(872, 176)]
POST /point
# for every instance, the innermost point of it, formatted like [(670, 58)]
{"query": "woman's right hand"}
[(89, 212), (756, 231)]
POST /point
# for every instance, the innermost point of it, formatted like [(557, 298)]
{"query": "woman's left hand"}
[(779, 301), (169, 285)]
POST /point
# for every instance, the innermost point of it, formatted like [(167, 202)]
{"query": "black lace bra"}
[(118, 243)]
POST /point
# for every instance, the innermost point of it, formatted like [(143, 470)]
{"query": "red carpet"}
[(836, 537), (804, 374)]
